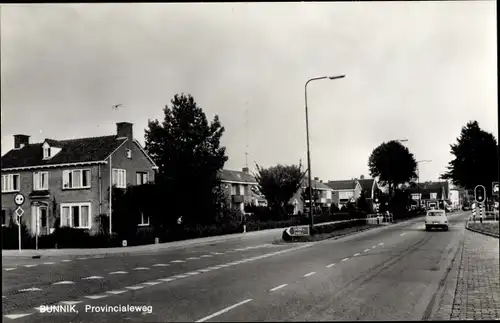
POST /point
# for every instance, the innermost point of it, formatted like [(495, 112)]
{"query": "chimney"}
[(316, 178), (124, 130), (20, 141), (246, 170)]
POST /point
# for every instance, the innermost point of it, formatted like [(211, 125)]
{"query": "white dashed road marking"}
[(192, 258), (32, 289), (151, 283), (96, 296), (65, 260), (64, 282), (217, 253), (381, 244), (330, 265), (135, 287), (206, 256), (366, 250), (356, 254), (402, 234), (166, 279), (192, 273), (205, 270), (16, 316), (177, 261), (161, 265), (70, 302), (141, 268), (9, 269), (118, 272), (278, 287), (227, 309), (29, 266), (180, 276), (92, 277), (345, 259), (83, 258), (116, 292), (374, 247), (310, 274), (49, 263)]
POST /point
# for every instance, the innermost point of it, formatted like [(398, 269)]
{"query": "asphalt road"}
[(388, 273)]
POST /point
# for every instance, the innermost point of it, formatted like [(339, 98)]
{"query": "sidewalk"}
[(135, 249), (477, 296)]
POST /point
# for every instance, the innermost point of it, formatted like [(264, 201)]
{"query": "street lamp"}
[(308, 149), (418, 179)]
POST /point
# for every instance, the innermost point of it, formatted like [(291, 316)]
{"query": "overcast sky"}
[(415, 70)]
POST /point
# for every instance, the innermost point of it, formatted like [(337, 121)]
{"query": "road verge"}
[(487, 228)]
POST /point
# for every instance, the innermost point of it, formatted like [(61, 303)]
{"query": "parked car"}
[(436, 219)]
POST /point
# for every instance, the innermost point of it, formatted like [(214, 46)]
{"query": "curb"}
[(481, 232), (281, 242)]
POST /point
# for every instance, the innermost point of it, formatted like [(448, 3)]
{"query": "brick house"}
[(430, 192), (324, 192), (68, 180), (343, 191), (239, 187), (369, 186)]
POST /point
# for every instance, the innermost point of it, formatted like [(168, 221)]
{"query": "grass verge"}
[(490, 228)]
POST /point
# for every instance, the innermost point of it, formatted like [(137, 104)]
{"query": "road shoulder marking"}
[(227, 309)]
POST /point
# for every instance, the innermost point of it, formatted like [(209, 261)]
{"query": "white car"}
[(436, 219)]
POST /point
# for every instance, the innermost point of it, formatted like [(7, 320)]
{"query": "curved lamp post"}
[(308, 149)]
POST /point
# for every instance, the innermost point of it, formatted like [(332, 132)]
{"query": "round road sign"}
[(19, 199)]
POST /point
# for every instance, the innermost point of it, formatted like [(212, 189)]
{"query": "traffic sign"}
[(298, 231), (19, 199), (495, 188), (19, 211), (351, 200), (480, 193)]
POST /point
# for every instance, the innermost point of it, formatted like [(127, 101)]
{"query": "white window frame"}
[(345, 195), (328, 195), (70, 206), (9, 179), (37, 179), (69, 172), (46, 153), (129, 153), (143, 223), (433, 196), (119, 178), (233, 189), (141, 174)]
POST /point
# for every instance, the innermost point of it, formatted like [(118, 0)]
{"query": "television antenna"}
[(246, 134)]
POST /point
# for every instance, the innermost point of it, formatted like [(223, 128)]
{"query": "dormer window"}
[(46, 151)]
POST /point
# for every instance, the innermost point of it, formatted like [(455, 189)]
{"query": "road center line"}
[(278, 287), (356, 254), (366, 250), (374, 247), (330, 265), (402, 234), (310, 274), (345, 259), (227, 309)]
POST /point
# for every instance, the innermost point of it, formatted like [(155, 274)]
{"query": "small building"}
[(240, 188)]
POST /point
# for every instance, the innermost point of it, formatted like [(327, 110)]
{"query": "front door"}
[(43, 220)]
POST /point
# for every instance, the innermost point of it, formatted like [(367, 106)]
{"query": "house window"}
[(144, 220), (129, 153), (346, 195), (120, 178), (40, 181), (433, 196), (46, 152), (78, 178), (142, 178), (4, 218), (329, 195), (233, 189), (76, 215), (10, 183)]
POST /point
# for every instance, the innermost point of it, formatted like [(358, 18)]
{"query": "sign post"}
[(19, 200)]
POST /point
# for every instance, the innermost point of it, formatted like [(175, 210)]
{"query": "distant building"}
[(240, 188)]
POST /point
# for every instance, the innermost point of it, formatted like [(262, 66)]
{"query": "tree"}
[(476, 160), (279, 184), (393, 164), (187, 151), (362, 203)]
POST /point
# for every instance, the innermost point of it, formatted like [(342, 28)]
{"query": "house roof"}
[(81, 150), (431, 187), (367, 185), (315, 184), (236, 176), (342, 185)]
